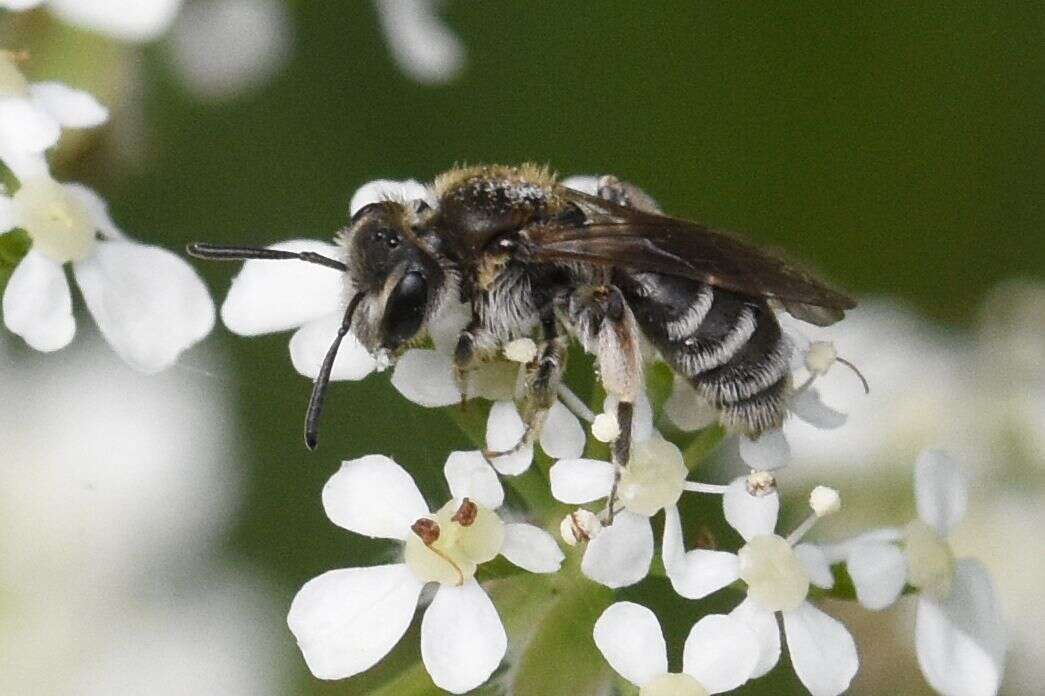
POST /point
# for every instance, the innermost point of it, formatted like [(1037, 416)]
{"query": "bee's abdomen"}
[(729, 346)]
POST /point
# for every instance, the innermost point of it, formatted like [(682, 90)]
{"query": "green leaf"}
[(561, 657), (14, 245)]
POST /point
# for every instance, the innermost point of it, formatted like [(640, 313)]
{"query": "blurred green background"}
[(897, 147)]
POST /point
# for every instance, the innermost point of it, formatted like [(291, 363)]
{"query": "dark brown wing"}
[(628, 238)]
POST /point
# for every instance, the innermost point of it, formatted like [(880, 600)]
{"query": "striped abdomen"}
[(729, 346)]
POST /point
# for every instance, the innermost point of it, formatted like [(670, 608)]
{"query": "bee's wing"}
[(613, 235)]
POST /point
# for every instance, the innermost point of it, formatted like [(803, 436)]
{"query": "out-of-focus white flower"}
[(346, 620), (653, 480), (126, 20), (585, 183), (32, 116), (115, 490), (148, 302), (959, 629), (720, 652), (223, 48), (422, 45), (778, 573)]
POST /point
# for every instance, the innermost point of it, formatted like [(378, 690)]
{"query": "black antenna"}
[(215, 252), (319, 388)]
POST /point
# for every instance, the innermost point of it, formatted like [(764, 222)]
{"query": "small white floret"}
[(521, 350), (605, 428), (825, 501), (820, 357), (579, 526)]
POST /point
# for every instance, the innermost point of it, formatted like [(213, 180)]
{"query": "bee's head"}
[(401, 280)]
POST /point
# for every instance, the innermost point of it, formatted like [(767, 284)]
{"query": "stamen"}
[(575, 404), (466, 514), (712, 488), (801, 530), (851, 366), (760, 483)]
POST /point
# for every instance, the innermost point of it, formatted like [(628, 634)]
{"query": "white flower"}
[(720, 653), (654, 479), (777, 573), (149, 303), (562, 436), (127, 20), (32, 116), (959, 630), (225, 48), (421, 44), (346, 620)]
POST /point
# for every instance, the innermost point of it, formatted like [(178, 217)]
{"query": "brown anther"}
[(760, 483), (427, 530), (466, 514)]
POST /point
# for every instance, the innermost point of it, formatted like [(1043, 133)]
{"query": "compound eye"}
[(405, 310)]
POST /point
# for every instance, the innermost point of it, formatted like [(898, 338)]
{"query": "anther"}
[(427, 530), (466, 514)]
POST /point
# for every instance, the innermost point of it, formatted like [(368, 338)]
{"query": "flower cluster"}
[(347, 620), (149, 303)]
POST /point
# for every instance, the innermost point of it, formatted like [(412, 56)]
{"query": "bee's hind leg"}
[(540, 385), (606, 328)]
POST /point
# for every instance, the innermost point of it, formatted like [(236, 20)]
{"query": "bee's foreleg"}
[(606, 327)]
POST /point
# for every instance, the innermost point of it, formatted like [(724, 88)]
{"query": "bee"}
[(533, 258)]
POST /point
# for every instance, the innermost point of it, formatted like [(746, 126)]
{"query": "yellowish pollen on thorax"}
[(653, 478), (57, 222), (775, 577), (930, 561), (469, 535), (673, 685)]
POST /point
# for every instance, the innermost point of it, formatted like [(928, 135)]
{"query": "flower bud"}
[(579, 526), (825, 501), (521, 350), (820, 357), (605, 428)]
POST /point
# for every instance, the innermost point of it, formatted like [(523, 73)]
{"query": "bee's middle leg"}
[(540, 384)]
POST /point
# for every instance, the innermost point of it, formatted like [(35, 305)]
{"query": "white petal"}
[(426, 377), (25, 128), (71, 108), (310, 343), (19, 5), (697, 573), (822, 650), (97, 210), (751, 515), (346, 620), (579, 481), (373, 496), (628, 635), (469, 475), (270, 296), (769, 452), (449, 321), (504, 429), (562, 436), (764, 625), (621, 554), (37, 304), (961, 641), (878, 571), (149, 302), (808, 406), (586, 183), (423, 46), (462, 637), (531, 548), (815, 563), (721, 653), (385, 190), (939, 490), (840, 550), (127, 20)]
